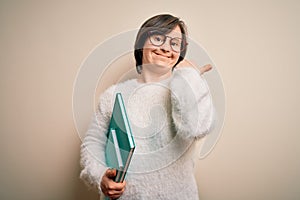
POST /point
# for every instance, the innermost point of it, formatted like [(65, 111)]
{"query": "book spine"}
[(127, 164), (128, 129), (117, 148)]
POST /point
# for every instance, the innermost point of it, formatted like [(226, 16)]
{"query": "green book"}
[(120, 143)]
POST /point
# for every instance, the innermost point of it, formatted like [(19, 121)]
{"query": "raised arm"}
[(192, 107)]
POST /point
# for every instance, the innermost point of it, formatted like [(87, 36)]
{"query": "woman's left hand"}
[(205, 68), (187, 63)]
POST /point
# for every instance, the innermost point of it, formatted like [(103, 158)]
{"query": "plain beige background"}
[(255, 45)]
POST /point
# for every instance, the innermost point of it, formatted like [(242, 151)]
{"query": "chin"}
[(165, 65), (162, 63)]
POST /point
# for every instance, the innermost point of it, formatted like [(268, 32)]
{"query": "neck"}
[(148, 76)]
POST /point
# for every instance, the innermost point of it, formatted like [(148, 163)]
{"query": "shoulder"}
[(106, 99)]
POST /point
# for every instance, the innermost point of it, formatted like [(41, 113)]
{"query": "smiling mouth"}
[(161, 55)]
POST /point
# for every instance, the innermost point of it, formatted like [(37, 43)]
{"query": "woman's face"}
[(162, 55)]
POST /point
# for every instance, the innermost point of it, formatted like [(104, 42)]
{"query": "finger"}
[(114, 194), (111, 173), (205, 68), (116, 186)]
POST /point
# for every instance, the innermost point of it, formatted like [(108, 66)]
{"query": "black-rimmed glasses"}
[(158, 38)]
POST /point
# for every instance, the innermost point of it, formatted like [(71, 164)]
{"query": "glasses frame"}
[(183, 43)]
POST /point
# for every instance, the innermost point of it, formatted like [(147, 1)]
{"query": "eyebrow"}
[(176, 36), (153, 32)]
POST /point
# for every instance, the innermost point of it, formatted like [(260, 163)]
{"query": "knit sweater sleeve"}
[(192, 108), (93, 145)]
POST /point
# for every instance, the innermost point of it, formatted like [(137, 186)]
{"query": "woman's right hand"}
[(109, 187)]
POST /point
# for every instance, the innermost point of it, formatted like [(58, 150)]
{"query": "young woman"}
[(169, 107)]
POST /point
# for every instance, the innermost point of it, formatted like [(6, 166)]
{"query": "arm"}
[(95, 172), (93, 147), (192, 108)]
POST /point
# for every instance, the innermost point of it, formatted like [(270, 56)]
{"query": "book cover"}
[(120, 142)]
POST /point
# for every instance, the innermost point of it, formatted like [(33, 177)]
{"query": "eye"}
[(175, 42), (158, 38)]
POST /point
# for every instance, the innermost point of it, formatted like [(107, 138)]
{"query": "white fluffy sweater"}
[(166, 118)]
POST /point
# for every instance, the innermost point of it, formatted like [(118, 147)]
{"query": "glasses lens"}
[(176, 44), (157, 39)]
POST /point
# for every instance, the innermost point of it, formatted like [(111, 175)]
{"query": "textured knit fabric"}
[(166, 118)]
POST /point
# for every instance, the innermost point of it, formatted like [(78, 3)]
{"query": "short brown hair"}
[(165, 23)]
